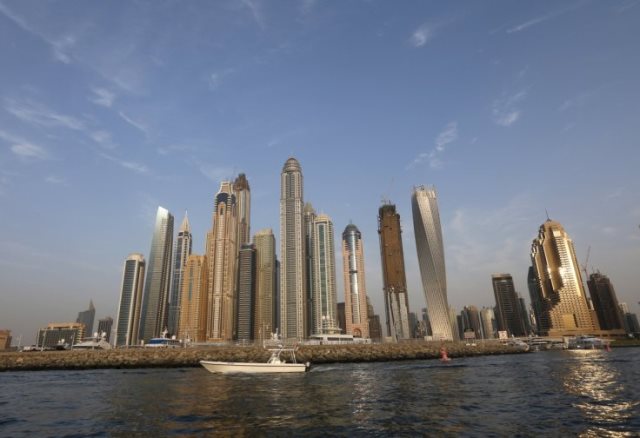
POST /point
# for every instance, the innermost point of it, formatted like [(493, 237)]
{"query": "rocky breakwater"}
[(190, 357)]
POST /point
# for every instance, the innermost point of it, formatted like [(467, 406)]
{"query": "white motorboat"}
[(275, 364)]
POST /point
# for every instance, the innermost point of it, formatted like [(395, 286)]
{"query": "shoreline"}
[(191, 357)]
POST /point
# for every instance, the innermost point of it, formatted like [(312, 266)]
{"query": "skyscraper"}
[(87, 317), (130, 303), (394, 281), (355, 290), (508, 313), (266, 281), (246, 292), (428, 234), (243, 201), (182, 252), (293, 304), (309, 217), (193, 300), (324, 276), (222, 252), (488, 318), (471, 322), (605, 302), (562, 301), (105, 325), (157, 285)]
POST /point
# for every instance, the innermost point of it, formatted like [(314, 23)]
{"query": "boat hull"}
[(252, 368)]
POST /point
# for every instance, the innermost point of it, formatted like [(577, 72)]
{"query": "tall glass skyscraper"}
[(182, 252), (293, 299), (355, 290), (158, 283), (605, 302), (428, 235), (562, 304), (222, 254), (324, 275), (394, 280), (130, 303)]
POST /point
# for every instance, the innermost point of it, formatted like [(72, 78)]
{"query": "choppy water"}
[(541, 394)]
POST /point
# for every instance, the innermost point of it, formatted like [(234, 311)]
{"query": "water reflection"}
[(600, 391)]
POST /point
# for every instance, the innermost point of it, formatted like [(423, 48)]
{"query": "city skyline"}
[(109, 110)]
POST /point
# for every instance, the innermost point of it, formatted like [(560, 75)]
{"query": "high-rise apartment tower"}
[(355, 290), (130, 303), (182, 252), (293, 304), (222, 254), (562, 304)]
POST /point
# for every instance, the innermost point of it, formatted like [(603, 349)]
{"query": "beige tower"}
[(193, 300), (265, 243), (243, 201), (222, 254), (325, 311), (355, 290), (561, 300), (293, 297)]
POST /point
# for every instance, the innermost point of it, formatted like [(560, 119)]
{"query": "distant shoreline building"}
[(430, 248), (508, 309), (60, 333), (105, 325), (87, 318), (246, 293), (158, 282), (394, 281), (605, 302)]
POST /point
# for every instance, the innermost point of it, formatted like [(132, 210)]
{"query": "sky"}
[(510, 109)]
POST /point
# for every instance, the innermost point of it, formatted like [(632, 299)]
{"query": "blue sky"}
[(109, 109)]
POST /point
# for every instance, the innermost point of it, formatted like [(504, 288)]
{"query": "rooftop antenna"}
[(547, 213)]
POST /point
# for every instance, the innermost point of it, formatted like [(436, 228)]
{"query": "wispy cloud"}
[(24, 149), (139, 126), (541, 19), (130, 165), (59, 46), (175, 148), (103, 97), (580, 99), (307, 6), (213, 172), (56, 180), (422, 35), (506, 110), (215, 79), (255, 7), (39, 115), (28, 150), (448, 135)]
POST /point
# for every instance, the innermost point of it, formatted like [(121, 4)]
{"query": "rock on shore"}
[(190, 357)]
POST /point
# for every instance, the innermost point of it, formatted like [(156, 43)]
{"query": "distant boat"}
[(587, 343), (163, 343), (92, 343), (275, 364)]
